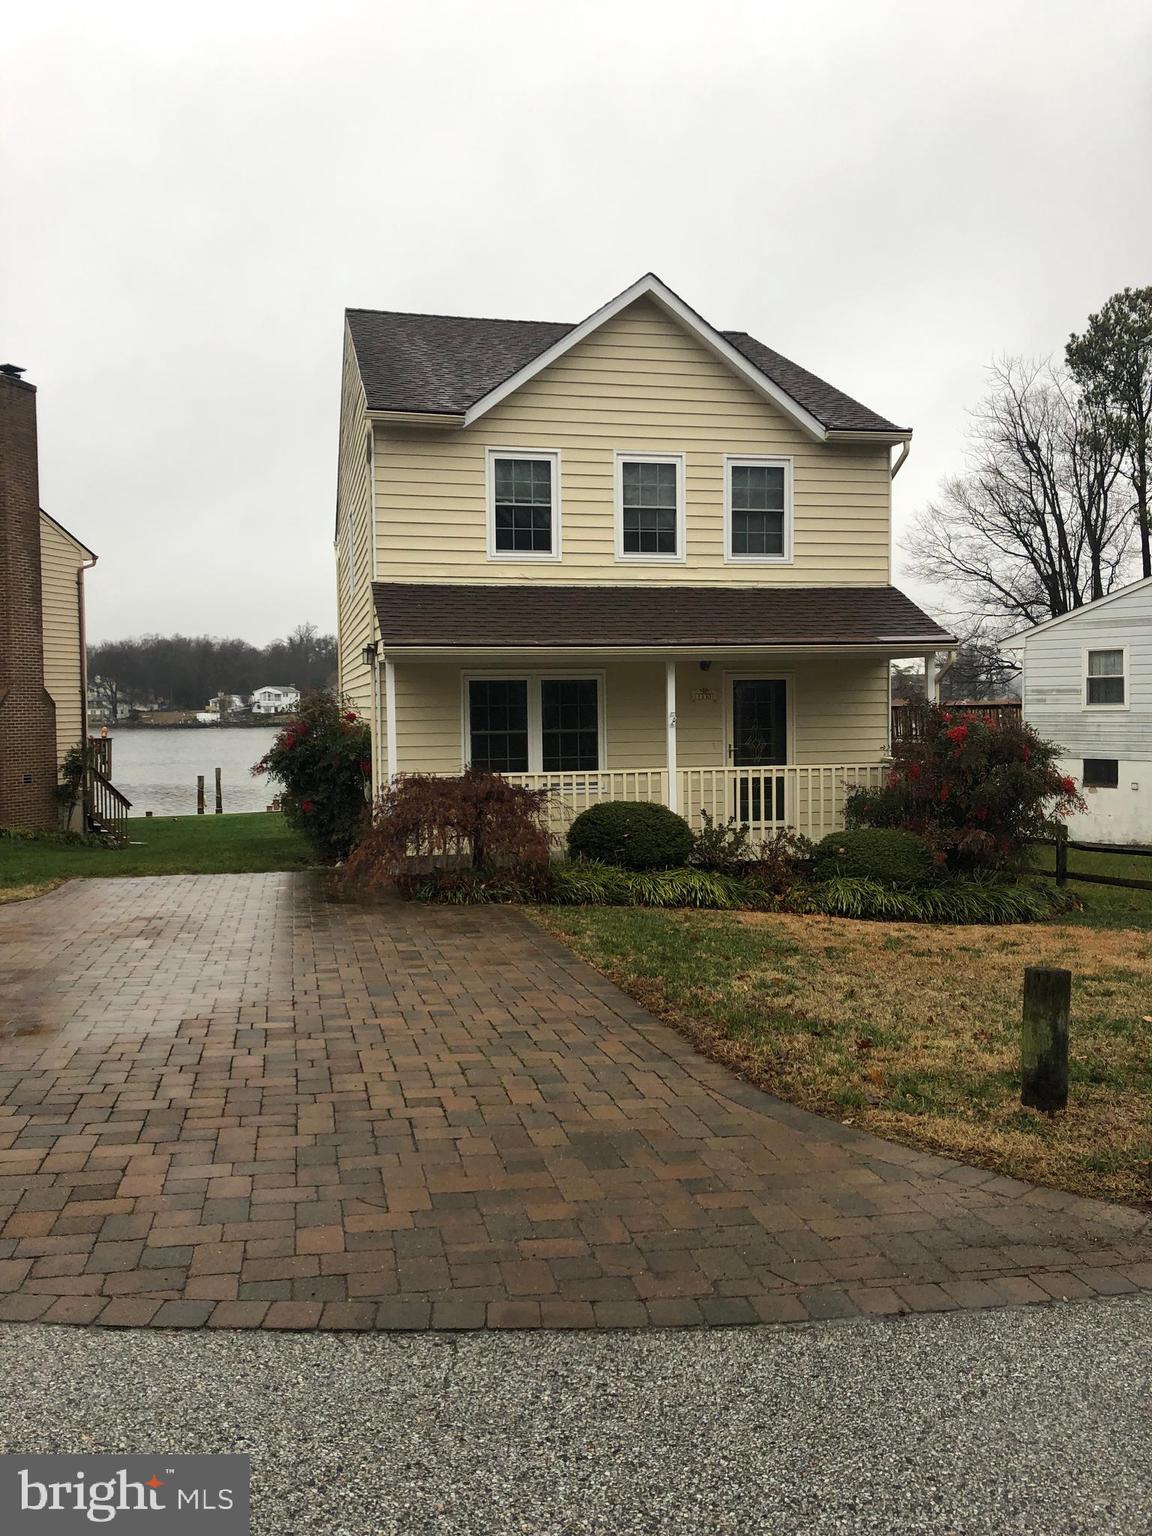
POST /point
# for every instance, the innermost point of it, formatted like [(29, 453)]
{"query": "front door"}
[(759, 739)]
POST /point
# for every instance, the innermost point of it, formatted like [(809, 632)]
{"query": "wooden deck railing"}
[(105, 808), (100, 751)]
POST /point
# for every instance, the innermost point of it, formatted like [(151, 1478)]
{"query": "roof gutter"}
[(417, 418)]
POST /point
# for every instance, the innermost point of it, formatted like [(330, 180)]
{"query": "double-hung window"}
[(1105, 678), (757, 509), (523, 505), (650, 507), (533, 724)]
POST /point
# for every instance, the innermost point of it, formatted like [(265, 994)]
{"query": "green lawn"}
[(1105, 906), (170, 845)]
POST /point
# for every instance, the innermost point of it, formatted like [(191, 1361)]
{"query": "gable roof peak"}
[(463, 366)]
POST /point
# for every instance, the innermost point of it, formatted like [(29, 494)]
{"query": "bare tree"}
[(1033, 529)]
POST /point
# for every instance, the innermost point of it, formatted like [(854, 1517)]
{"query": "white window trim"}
[(522, 556), (535, 741), (763, 675), (681, 555), (1101, 708), (778, 461)]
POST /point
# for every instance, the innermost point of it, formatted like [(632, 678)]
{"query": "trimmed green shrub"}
[(882, 854), (632, 834)]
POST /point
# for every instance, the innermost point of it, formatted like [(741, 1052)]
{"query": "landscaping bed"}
[(251, 843), (908, 1031)]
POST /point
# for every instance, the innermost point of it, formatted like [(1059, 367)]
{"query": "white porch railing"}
[(572, 793), (807, 798)]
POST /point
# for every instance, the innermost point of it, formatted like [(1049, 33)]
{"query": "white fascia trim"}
[(650, 287), (525, 655), (417, 418), (1010, 641)]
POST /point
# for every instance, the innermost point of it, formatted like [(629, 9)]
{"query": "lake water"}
[(156, 767)]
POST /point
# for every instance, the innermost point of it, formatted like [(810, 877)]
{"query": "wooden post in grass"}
[(1044, 1038), (199, 794), (219, 794), (1061, 855)]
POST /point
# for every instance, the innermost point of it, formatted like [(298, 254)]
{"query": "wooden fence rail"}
[(1062, 843)]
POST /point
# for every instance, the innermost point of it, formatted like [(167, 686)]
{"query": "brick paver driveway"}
[(224, 1100)]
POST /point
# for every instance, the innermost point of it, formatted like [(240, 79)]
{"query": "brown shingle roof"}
[(445, 363), (541, 615)]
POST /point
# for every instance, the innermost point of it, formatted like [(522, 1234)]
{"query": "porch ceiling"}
[(439, 616)]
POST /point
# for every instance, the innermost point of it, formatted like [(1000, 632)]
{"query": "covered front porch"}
[(767, 705), (772, 739)]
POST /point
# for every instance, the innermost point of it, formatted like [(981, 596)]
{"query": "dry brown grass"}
[(910, 1031)]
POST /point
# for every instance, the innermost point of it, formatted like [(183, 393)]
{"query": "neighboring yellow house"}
[(63, 561), (634, 558)]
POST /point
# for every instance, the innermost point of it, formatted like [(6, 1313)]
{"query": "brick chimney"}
[(28, 766)]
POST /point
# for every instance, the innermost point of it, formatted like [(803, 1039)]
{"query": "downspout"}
[(905, 450), (85, 565)]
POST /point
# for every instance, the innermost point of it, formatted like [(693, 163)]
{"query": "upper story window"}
[(1105, 678), (650, 506), (758, 509), (523, 506)]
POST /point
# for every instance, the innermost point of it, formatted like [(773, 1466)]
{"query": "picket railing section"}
[(571, 793), (807, 798)]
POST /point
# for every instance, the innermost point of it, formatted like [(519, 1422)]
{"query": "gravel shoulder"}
[(1030, 1420)]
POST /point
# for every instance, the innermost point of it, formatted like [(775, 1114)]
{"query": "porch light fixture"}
[(369, 653), (705, 666)]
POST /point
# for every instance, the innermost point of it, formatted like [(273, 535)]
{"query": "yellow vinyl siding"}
[(638, 384), (60, 562), (839, 707), (356, 623)]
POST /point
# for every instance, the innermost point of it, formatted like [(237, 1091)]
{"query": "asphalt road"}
[(1012, 1421)]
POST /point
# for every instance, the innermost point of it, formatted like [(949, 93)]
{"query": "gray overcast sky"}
[(889, 192)]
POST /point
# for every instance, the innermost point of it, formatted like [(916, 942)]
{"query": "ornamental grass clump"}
[(475, 819), (978, 791), (323, 760)]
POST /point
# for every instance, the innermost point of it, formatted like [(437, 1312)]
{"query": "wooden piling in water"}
[(219, 794), (199, 794)]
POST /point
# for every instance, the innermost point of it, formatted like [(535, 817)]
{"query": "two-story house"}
[(634, 558), (274, 701)]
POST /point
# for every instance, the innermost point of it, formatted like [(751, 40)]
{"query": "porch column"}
[(931, 683), (390, 714), (670, 728)]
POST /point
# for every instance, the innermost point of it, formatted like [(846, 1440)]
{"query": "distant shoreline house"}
[(1087, 685), (43, 673), (274, 701), (633, 558)]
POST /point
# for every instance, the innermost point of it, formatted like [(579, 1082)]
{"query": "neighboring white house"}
[(274, 701), (225, 703), (1087, 685)]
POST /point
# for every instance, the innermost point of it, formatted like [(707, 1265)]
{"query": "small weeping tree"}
[(475, 819)]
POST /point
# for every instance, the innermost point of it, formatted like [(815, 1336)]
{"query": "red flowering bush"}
[(322, 758), (977, 792)]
